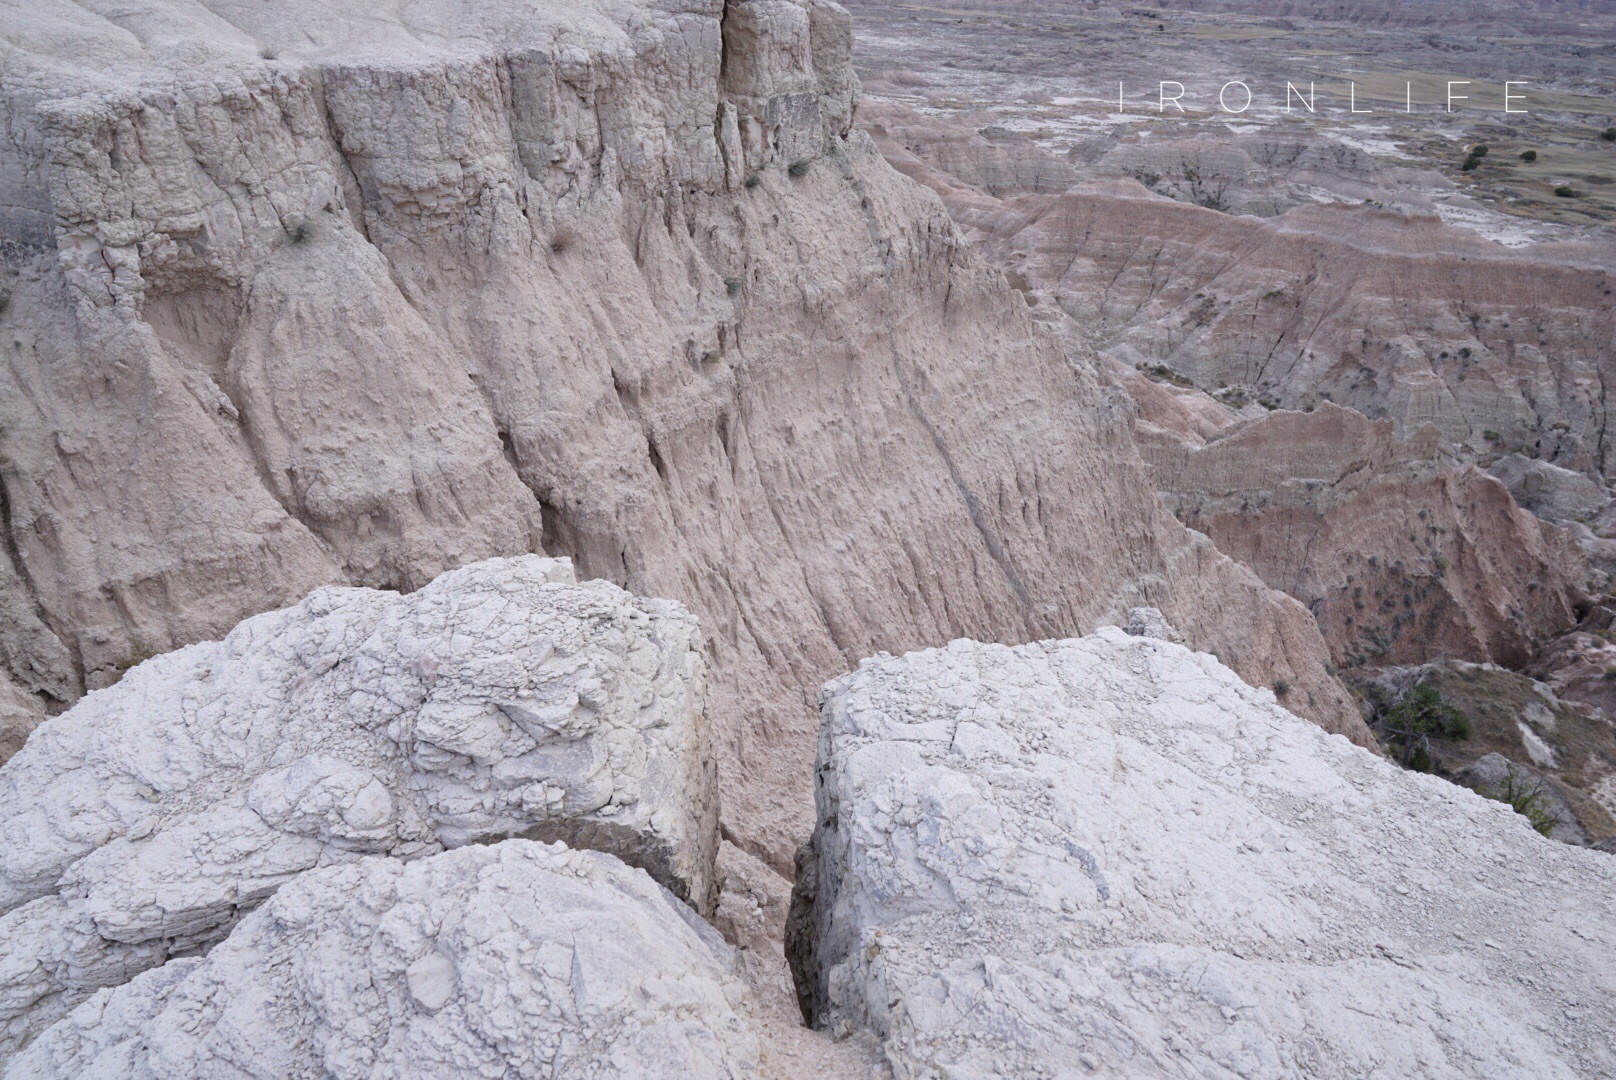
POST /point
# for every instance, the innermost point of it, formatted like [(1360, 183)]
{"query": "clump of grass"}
[(1528, 155), (562, 240), (268, 53), (1282, 687), (1566, 191), (303, 231), (754, 180), (799, 167), (732, 285), (1609, 134)]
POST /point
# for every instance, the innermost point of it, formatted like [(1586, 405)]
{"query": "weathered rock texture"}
[(306, 294), (499, 700), (1109, 856), (518, 960), (1401, 553), (1550, 492), (19, 715), (1396, 315)]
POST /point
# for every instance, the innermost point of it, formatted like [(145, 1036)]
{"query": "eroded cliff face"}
[(1400, 552), (1398, 316), (301, 295)]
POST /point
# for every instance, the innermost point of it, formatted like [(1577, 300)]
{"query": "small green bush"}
[(1609, 134), (1525, 796), (1469, 163), (1566, 191), (1528, 155), (1281, 687), (799, 167), (754, 180), (732, 285), (1421, 714), (1479, 150), (302, 232)]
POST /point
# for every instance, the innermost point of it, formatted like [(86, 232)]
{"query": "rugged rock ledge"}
[(516, 960), (304, 294), (501, 700), (1109, 856)]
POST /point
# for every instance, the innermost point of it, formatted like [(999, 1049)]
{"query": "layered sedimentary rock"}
[(1397, 315), (1110, 856), (304, 295), (1401, 553), (500, 700), (518, 960)]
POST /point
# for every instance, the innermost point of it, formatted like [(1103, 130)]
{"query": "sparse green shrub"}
[(1281, 687), (1566, 191), (1528, 155), (562, 240), (799, 167), (1525, 796), (303, 231), (732, 285), (754, 180), (1479, 150), (1421, 714), (1609, 134)]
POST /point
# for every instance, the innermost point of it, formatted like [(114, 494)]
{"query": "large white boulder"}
[(1109, 856), (515, 960), (500, 700)]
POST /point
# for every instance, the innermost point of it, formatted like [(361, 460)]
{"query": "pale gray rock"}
[(517, 960), (1150, 622), (1109, 856), (500, 700), (1552, 493)]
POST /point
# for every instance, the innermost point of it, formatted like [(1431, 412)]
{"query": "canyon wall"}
[(1396, 315), (301, 295)]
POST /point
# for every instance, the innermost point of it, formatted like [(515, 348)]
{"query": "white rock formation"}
[(306, 293), (1108, 856), (519, 960), (499, 700)]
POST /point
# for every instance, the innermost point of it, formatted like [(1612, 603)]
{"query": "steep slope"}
[(304, 294)]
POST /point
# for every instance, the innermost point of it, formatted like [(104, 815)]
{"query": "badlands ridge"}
[(369, 369)]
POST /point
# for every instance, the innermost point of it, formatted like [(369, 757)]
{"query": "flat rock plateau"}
[(759, 538)]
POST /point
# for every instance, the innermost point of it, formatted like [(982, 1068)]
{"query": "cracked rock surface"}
[(517, 960), (500, 700), (1108, 856)]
